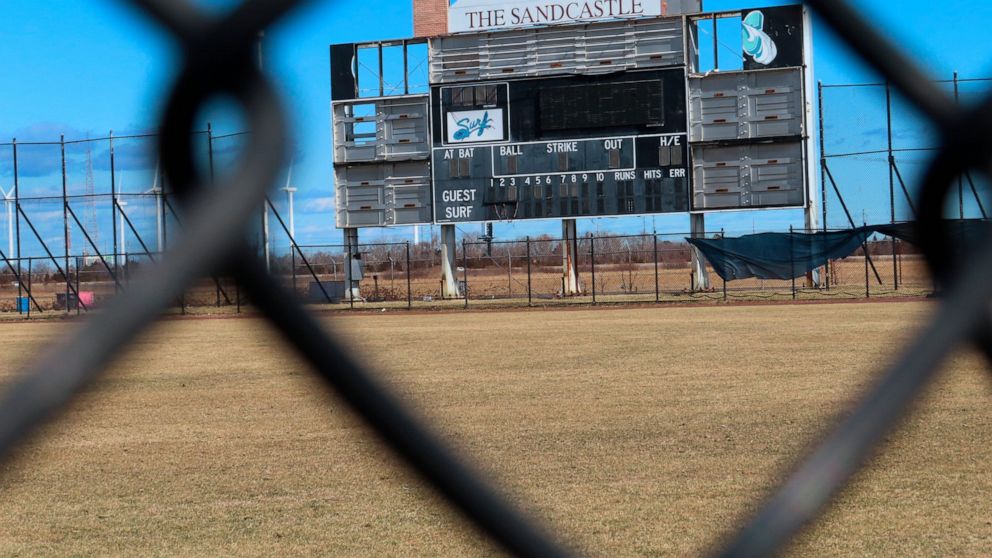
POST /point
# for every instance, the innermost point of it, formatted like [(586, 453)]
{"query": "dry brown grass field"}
[(628, 431)]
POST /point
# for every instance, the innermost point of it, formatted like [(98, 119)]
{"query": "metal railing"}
[(218, 60)]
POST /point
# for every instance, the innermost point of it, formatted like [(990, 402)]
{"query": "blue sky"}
[(85, 67)]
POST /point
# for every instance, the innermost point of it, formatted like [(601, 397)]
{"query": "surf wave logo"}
[(757, 44), (469, 126)]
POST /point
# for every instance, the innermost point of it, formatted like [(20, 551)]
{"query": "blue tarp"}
[(777, 255), (789, 255), (963, 234)]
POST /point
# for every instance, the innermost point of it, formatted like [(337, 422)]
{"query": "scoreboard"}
[(590, 177), (561, 148), (612, 118)]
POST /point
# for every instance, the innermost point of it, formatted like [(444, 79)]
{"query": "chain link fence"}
[(611, 269), (217, 60), (874, 176)]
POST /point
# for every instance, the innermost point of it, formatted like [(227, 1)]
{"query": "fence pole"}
[(529, 295), (30, 284), (78, 304), (723, 235), (960, 177), (823, 179), (17, 222), (465, 271), (409, 283), (892, 182), (864, 247), (65, 228), (509, 273), (657, 284), (292, 262), (792, 262), (592, 258), (349, 275), (113, 216), (237, 295)]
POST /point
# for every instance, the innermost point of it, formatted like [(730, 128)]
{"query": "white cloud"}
[(319, 205)]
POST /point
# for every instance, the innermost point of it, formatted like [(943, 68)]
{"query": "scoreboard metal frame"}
[(586, 110)]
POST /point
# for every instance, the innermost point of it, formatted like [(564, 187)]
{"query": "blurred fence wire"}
[(218, 61)]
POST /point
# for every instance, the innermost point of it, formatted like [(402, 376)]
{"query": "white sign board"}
[(483, 15), (474, 126)]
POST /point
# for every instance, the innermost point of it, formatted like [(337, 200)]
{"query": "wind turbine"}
[(159, 194), (289, 195), (120, 217)]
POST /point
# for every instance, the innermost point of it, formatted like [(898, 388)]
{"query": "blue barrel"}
[(23, 304)]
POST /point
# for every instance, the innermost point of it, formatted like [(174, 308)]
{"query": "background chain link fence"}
[(646, 268)]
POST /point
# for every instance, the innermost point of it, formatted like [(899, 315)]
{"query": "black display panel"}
[(342, 72), (574, 146), (602, 105), (773, 37), (629, 103)]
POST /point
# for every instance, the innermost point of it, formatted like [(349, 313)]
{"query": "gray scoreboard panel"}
[(749, 128), (577, 146)]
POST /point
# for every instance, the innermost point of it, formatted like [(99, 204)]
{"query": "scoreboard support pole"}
[(700, 278), (570, 258), (350, 249), (449, 277)]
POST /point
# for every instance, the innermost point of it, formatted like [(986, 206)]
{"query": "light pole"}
[(121, 204), (8, 200)]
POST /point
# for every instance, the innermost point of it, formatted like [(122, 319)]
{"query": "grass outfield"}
[(629, 431)]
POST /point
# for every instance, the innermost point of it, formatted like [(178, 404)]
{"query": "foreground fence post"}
[(529, 295), (657, 285), (592, 259)]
